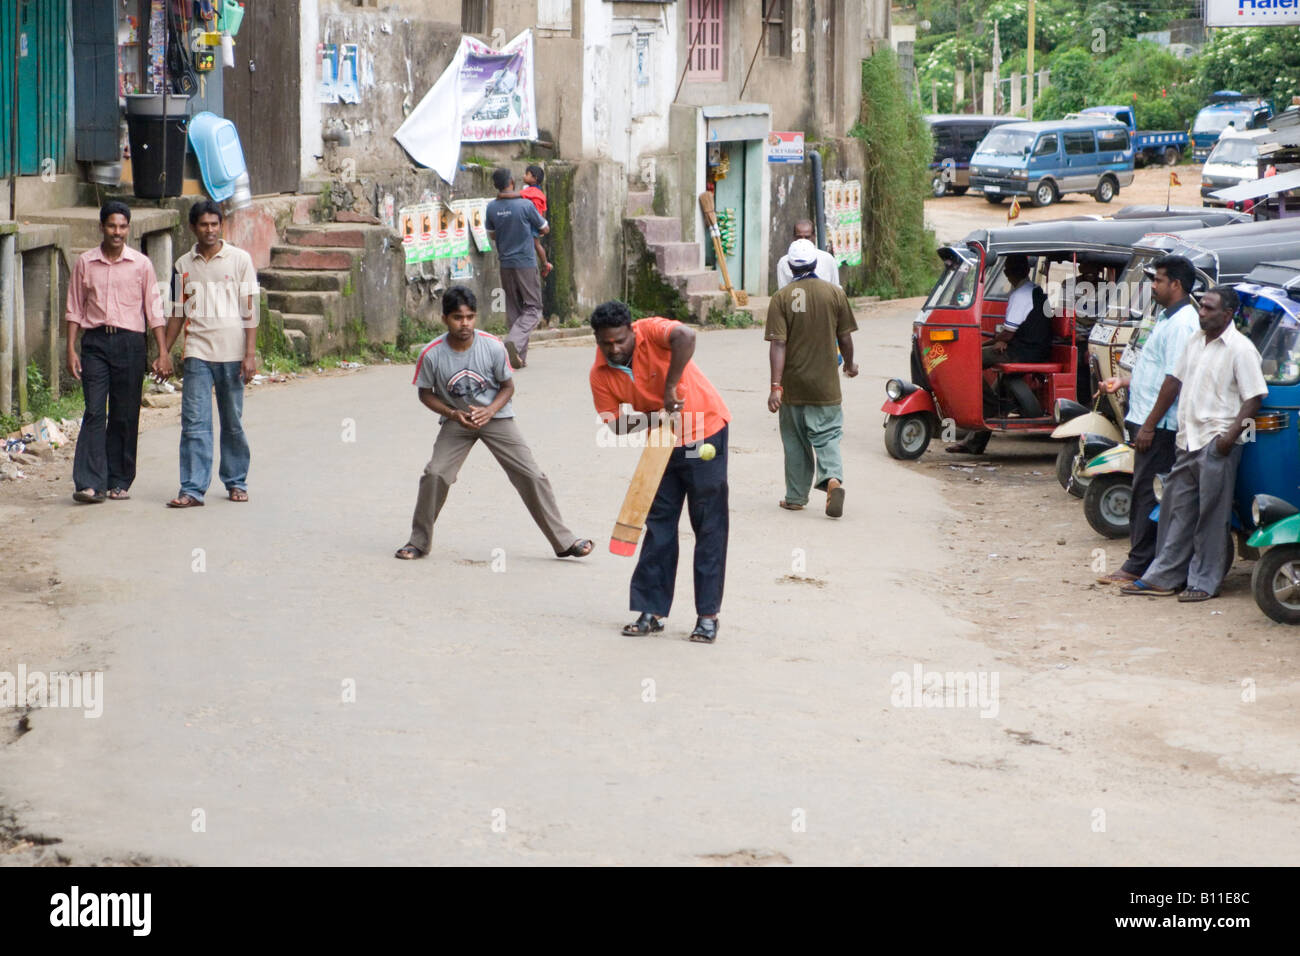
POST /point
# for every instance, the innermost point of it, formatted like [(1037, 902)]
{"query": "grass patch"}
[(43, 403)]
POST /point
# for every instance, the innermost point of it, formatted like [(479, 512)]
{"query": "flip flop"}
[(579, 549), (835, 502), (789, 507), (1193, 595), (118, 494), (184, 501), (408, 552), (1141, 587), (88, 496)]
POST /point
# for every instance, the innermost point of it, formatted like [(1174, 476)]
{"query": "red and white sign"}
[(785, 147)]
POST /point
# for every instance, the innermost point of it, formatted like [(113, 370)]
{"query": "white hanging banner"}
[(487, 94)]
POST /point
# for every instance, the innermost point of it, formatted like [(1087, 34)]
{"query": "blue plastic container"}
[(221, 157)]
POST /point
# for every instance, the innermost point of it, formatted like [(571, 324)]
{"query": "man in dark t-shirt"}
[(512, 224), (806, 321)]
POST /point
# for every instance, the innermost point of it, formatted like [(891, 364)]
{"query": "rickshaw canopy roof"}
[(1208, 215), (1260, 187), (1229, 252), (1283, 275), (1100, 238)]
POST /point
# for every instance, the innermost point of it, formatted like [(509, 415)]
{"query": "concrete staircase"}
[(318, 291), (657, 240)]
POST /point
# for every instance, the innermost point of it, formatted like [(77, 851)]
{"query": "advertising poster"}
[(478, 224), (785, 147), (409, 229), (427, 213), (460, 228)]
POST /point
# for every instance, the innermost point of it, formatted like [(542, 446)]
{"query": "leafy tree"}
[(1075, 75), (1261, 61)]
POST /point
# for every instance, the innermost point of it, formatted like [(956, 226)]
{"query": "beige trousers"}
[(507, 445)]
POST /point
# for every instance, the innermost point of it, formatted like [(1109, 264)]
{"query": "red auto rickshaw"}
[(965, 308)]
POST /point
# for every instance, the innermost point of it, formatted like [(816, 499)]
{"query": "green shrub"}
[(898, 251)]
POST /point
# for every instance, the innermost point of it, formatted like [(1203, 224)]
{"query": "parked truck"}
[(1149, 147), (1227, 108)]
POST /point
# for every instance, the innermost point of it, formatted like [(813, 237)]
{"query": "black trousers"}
[(702, 485), (113, 366), (1157, 460)]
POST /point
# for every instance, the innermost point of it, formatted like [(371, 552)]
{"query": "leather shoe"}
[(706, 630), (647, 623)]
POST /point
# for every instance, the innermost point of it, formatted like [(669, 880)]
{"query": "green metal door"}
[(42, 94)]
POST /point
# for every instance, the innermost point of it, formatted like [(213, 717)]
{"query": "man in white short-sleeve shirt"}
[(1219, 386), (826, 266)]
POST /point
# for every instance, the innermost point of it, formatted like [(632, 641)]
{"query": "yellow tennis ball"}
[(707, 451)]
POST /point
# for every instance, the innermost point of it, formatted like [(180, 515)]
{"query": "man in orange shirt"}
[(647, 364)]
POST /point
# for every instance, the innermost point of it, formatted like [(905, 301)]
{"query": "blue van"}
[(1046, 160)]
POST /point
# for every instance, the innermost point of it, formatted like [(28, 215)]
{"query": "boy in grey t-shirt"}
[(463, 375)]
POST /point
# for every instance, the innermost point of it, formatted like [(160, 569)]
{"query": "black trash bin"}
[(146, 128)]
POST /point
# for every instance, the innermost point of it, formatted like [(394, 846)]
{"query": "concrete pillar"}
[(958, 90), (934, 96), (1015, 93), (56, 321), (20, 333), (158, 247), (1044, 76), (8, 250), (990, 93)]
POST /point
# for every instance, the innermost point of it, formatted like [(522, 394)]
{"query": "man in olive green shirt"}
[(806, 321)]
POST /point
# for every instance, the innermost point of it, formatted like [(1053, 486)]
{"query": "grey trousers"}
[(523, 289), (507, 445), (1193, 543)]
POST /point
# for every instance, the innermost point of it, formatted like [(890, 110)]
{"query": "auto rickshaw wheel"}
[(1106, 505), (1045, 194), (1276, 583), (1024, 397), (1075, 484), (907, 436)]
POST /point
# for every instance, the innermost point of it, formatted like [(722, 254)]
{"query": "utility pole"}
[(1029, 63)]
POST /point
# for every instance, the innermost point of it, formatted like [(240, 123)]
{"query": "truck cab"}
[(1227, 109), (1149, 147)]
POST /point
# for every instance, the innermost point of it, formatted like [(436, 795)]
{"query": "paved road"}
[(507, 697)]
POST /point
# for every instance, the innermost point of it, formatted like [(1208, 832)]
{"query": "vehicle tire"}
[(1172, 155), (959, 190), (938, 187), (1274, 583), (907, 436), (1065, 459), (1045, 194), (1106, 189), (1024, 396), (1106, 505), (996, 200)]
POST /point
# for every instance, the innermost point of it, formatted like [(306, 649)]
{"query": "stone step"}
[(677, 257), (700, 304), (658, 229), (298, 344), (704, 280), (325, 304), (328, 234), (640, 202), (304, 257), (304, 280), (314, 332)]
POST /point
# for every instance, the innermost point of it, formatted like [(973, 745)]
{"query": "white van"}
[(1234, 160)]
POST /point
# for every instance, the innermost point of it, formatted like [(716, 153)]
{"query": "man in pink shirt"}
[(112, 294)]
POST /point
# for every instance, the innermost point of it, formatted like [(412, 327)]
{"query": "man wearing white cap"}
[(806, 322), (826, 266)]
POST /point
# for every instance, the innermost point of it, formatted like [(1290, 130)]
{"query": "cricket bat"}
[(642, 489)]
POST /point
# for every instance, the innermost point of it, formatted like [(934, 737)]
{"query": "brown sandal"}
[(118, 494), (788, 506), (184, 501)]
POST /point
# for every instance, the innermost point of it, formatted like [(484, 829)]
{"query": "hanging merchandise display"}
[(727, 230), (157, 70)]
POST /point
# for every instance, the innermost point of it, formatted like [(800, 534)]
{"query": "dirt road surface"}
[(953, 217), (499, 716)]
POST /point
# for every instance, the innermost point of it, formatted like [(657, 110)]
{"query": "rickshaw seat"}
[(1027, 368)]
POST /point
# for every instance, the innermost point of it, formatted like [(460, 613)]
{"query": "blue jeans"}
[(201, 380)]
